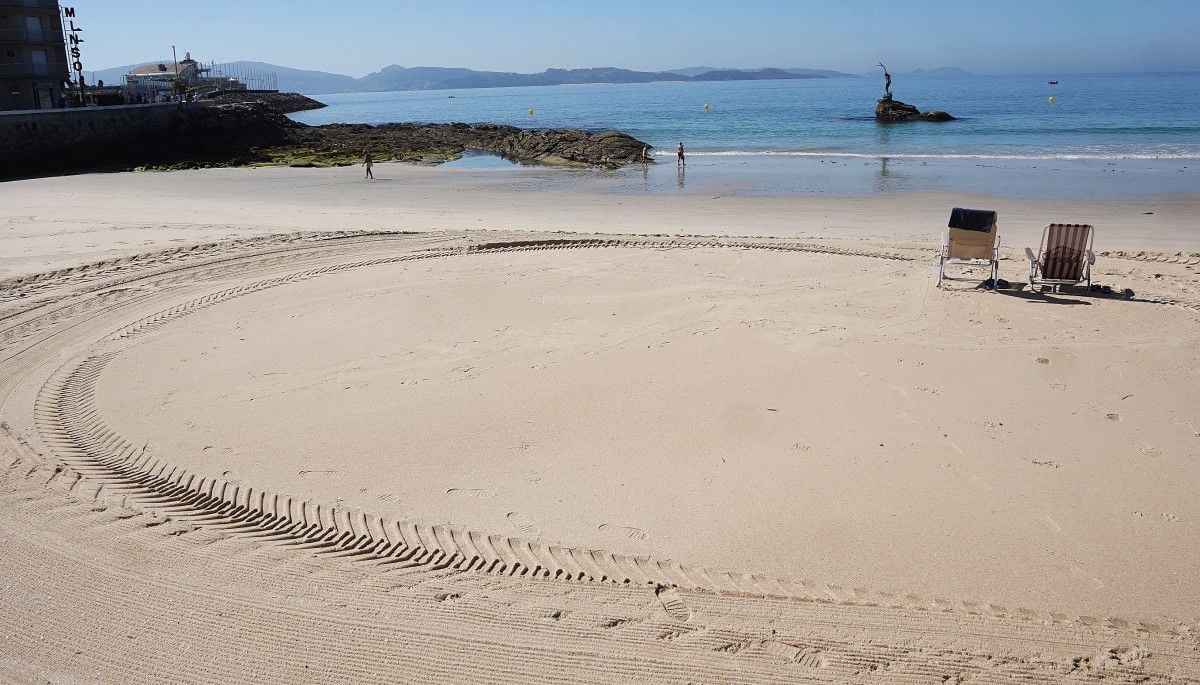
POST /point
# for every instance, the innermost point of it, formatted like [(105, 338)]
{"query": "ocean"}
[(1140, 129)]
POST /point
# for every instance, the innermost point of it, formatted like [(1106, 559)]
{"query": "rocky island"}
[(889, 110)]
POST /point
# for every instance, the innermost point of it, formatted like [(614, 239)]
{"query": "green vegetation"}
[(304, 156)]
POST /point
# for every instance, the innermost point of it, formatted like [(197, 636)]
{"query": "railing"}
[(28, 36), (33, 69), (35, 4)]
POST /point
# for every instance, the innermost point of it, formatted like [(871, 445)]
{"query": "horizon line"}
[(674, 70)]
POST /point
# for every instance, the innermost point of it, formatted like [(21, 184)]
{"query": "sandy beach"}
[(54, 223), (528, 425)]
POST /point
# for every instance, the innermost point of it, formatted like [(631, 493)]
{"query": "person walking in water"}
[(367, 162), (679, 152)]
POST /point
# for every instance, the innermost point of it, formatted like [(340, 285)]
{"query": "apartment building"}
[(33, 55)]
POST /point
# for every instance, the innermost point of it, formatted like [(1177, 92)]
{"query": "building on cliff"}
[(162, 78), (150, 80), (33, 55)]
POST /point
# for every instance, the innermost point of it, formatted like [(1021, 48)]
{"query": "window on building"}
[(40, 62), (33, 26)]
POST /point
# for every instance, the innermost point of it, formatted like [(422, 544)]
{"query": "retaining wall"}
[(57, 141)]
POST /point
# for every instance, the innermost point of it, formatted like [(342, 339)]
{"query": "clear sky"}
[(356, 37)]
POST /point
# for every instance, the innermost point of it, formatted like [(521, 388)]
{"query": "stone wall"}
[(98, 138), (35, 141)]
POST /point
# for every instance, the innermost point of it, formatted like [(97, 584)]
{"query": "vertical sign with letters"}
[(73, 40)]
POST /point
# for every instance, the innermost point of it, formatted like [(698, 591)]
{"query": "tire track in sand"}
[(69, 421), (604, 629)]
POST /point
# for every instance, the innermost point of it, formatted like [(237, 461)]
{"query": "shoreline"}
[(39, 232)]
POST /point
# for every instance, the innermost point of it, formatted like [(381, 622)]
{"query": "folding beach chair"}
[(1064, 258), (971, 239)]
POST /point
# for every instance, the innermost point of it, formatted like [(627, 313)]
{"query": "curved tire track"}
[(69, 421)]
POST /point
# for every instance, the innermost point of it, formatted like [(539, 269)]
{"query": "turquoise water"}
[(1098, 117), (1104, 136)]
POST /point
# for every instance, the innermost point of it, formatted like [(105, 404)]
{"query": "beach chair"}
[(1064, 258), (972, 239)]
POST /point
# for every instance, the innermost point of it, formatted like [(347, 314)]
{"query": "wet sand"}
[(61, 222)]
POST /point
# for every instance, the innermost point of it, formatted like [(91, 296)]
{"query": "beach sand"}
[(565, 434), (53, 223)]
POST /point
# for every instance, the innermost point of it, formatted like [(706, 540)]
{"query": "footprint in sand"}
[(796, 654), (1170, 518), (627, 532), (523, 524), (673, 603), (472, 493)]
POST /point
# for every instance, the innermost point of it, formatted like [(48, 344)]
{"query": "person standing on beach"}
[(679, 152), (367, 161), (645, 154)]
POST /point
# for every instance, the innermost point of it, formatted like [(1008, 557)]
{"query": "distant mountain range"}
[(395, 77), (940, 72), (793, 71)]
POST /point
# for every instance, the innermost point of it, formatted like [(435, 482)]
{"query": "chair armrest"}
[(1032, 257)]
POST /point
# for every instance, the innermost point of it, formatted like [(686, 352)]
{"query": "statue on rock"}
[(888, 110)]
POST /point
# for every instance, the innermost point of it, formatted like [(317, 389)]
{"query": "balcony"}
[(33, 69), (51, 5), (28, 36)]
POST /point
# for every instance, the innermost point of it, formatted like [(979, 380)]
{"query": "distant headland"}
[(397, 78)]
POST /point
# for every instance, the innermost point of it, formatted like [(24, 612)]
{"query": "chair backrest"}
[(972, 234), (1065, 251)]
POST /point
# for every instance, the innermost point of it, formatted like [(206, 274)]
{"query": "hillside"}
[(398, 78), (754, 75)]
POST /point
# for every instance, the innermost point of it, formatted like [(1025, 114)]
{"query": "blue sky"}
[(354, 37)]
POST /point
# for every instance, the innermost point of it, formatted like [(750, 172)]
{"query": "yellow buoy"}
[(1051, 98), (706, 105), (530, 111)]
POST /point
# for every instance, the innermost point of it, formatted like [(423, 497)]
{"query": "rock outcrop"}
[(433, 143), (257, 133), (889, 110), (284, 103)]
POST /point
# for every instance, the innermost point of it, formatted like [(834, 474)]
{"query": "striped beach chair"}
[(971, 239), (1065, 256)]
